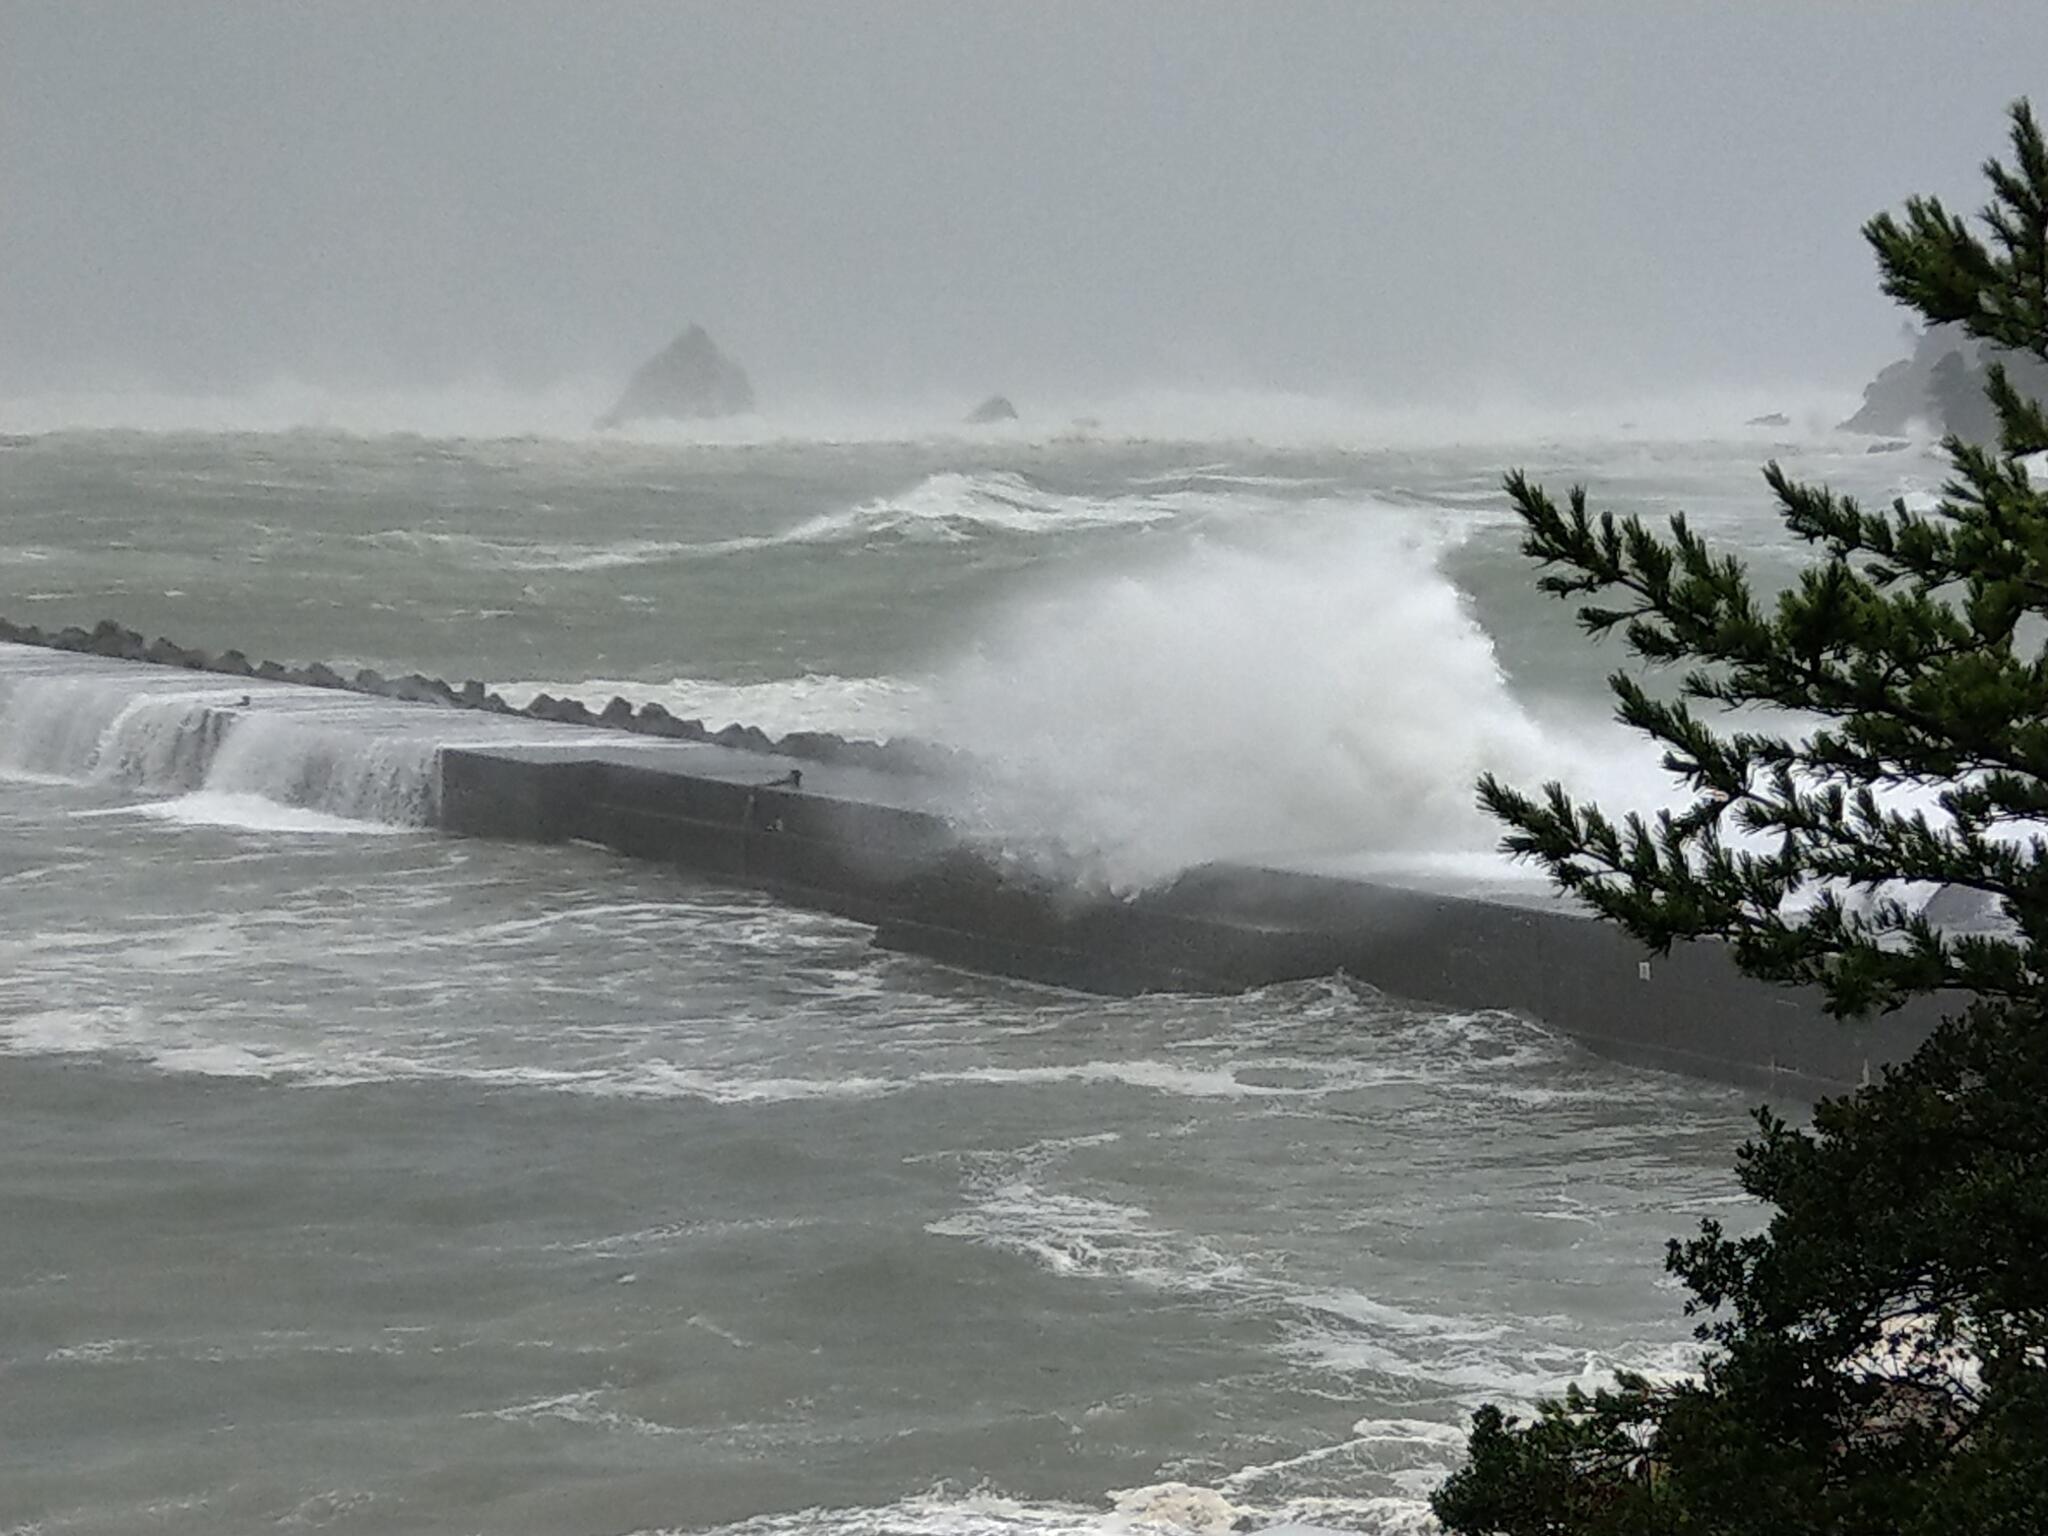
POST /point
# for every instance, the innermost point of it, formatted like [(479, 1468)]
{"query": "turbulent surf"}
[(654, 1205)]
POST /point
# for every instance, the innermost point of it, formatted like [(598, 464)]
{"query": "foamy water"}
[(371, 1179)]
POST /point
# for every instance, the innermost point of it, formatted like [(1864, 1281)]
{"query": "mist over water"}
[(565, 411)]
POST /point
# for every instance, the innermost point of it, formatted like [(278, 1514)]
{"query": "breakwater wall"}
[(881, 859), (858, 835)]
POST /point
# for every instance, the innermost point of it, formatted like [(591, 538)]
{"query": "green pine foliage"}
[(1876, 1360)]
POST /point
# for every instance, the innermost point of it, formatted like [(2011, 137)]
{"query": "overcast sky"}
[(1370, 199)]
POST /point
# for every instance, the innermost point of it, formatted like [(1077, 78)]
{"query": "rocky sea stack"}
[(1942, 385), (994, 408), (689, 380)]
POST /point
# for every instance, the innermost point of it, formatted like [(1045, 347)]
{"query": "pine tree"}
[(1876, 1359)]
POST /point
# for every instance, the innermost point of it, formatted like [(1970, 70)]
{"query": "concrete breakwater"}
[(861, 835), (868, 851)]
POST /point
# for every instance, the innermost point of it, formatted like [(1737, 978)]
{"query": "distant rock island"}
[(689, 380), (1942, 384), (994, 408)]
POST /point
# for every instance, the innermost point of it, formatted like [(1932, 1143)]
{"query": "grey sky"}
[(895, 198)]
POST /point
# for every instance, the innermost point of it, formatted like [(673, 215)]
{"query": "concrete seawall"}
[(871, 847), (875, 845)]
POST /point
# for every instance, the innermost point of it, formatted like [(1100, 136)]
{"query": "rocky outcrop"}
[(688, 380), (110, 639), (1942, 386), (995, 408)]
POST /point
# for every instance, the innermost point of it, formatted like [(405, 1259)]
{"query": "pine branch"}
[(1934, 264)]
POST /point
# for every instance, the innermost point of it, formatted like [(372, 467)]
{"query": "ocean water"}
[(357, 1179)]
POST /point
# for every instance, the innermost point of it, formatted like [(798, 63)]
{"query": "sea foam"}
[(1307, 690)]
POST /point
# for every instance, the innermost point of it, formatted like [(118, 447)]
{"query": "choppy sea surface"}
[(357, 1179)]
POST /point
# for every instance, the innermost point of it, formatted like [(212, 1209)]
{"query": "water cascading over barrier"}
[(159, 735), (92, 730), (329, 767)]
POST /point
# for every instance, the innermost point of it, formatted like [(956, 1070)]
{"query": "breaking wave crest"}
[(948, 507), (953, 506)]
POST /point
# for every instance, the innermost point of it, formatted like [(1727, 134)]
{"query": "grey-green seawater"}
[(356, 1179)]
